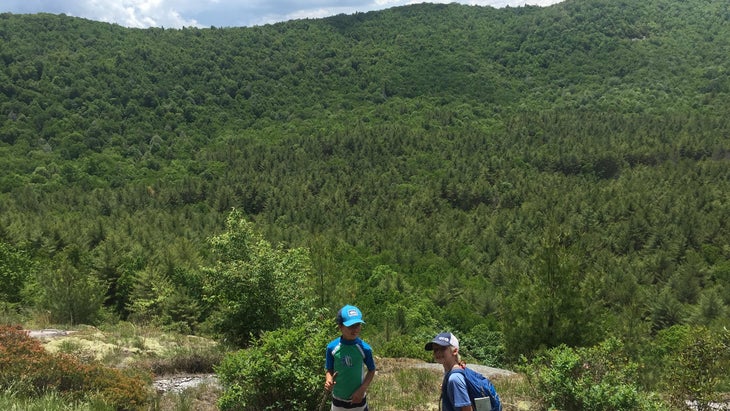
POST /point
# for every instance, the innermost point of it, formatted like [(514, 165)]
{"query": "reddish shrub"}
[(27, 367)]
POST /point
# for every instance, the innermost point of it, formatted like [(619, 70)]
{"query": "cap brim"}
[(353, 322), (429, 345)]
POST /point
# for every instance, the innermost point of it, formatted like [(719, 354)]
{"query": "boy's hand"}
[(357, 396), (329, 382)]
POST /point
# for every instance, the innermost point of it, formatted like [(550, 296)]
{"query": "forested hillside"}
[(525, 176)]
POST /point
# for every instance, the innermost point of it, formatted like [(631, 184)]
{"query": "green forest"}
[(525, 177)]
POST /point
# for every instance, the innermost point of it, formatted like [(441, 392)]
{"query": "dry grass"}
[(201, 398), (400, 386), (403, 384)]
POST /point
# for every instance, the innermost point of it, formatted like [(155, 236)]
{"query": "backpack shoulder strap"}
[(445, 382), (466, 380)]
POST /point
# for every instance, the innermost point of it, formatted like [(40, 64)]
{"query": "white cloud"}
[(134, 13), (219, 13)]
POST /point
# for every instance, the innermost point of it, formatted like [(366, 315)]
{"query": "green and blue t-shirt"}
[(348, 358)]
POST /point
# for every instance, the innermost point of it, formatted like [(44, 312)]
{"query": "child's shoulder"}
[(364, 344), (334, 343)]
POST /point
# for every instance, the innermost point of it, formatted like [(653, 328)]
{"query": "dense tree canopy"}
[(516, 171)]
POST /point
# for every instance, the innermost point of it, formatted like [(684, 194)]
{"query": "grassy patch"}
[(51, 401), (405, 389), (406, 385), (125, 345), (204, 397)]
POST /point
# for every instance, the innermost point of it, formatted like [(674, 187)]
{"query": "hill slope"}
[(517, 170)]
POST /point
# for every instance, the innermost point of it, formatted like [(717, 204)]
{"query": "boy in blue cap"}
[(346, 359)]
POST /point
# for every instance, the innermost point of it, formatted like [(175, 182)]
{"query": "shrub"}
[(282, 370), (69, 291), (403, 346), (16, 269), (194, 360), (696, 364), (27, 368), (126, 391), (484, 345), (596, 378), (254, 286)]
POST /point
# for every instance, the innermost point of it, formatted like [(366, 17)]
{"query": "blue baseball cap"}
[(444, 340), (349, 315)]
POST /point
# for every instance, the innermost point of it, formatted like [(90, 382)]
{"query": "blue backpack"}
[(479, 386)]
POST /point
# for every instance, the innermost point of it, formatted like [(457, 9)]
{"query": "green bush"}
[(16, 269), (255, 286), (403, 346), (596, 378), (71, 292), (484, 345), (282, 370), (695, 364), (193, 359)]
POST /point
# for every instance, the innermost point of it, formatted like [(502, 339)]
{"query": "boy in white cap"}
[(455, 396), (346, 359)]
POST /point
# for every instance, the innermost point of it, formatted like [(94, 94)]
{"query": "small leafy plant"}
[(283, 370), (595, 378)]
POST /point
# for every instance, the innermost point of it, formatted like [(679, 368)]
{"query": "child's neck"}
[(450, 365)]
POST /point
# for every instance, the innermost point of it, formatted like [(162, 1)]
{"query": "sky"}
[(219, 13)]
